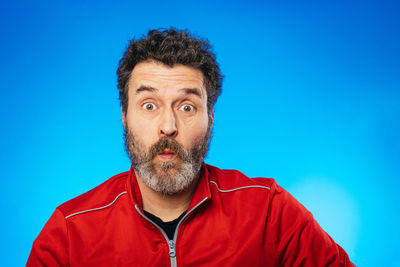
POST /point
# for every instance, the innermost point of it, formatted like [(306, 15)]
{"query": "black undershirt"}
[(168, 227)]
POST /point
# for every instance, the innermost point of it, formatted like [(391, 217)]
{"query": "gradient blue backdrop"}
[(311, 98)]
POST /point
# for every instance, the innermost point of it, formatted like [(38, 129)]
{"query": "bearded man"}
[(172, 209)]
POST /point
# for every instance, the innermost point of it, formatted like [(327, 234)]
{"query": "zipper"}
[(172, 252), (171, 243), (187, 214)]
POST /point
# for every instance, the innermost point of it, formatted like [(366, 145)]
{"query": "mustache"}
[(167, 143)]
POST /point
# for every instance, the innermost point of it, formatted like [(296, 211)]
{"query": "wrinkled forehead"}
[(162, 77)]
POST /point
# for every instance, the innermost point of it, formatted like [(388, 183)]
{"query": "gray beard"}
[(167, 178)]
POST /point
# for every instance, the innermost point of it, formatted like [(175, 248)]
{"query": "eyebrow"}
[(193, 91), (189, 91), (145, 88)]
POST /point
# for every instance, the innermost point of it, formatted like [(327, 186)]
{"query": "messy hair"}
[(171, 47)]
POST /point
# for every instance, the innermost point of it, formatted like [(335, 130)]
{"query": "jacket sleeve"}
[(298, 238), (51, 246)]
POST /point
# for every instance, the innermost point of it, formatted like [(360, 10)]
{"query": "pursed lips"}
[(167, 155)]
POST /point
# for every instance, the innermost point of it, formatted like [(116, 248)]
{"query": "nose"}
[(168, 124)]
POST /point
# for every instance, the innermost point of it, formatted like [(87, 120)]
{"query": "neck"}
[(166, 207)]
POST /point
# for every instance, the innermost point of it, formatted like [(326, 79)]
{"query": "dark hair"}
[(171, 47)]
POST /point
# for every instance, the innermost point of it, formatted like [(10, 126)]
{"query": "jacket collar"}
[(201, 192), (202, 189)]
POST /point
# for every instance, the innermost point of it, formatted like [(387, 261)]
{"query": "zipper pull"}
[(172, 249)]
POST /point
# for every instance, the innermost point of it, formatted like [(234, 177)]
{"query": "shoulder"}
[(258, 188), (99, 197), (232, 180)]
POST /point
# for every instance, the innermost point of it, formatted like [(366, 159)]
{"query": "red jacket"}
[(232, 221)]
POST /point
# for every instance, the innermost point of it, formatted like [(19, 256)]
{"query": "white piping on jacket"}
[(106, 206), (238, 188)]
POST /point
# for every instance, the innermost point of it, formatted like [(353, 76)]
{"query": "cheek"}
[(139, 127), (195, 131), (199, 121)]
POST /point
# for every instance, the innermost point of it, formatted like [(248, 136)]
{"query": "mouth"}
[(166, 155)]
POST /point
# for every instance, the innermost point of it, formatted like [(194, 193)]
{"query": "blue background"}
[(311, 98)]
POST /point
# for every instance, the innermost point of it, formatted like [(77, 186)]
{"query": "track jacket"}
[(232, 220)]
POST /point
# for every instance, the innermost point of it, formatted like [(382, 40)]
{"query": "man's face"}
[(167, 127)]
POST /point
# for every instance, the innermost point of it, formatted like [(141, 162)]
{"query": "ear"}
[(123, 117), (211, 118)]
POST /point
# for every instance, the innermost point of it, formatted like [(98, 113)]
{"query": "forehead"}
[(162, 77)]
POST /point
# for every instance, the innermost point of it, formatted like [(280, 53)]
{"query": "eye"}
[(187, 108), (149, 106)]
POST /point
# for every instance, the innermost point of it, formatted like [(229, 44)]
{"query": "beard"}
[(167, 178)]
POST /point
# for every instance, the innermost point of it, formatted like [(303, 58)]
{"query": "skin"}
[(172, 102)]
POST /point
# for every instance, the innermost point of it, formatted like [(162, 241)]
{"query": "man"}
[(171, 209)]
